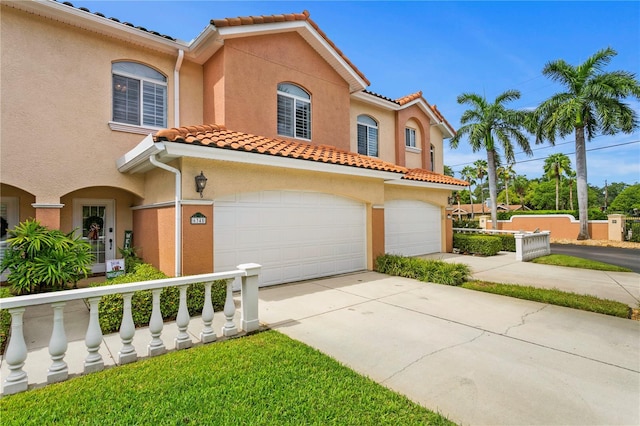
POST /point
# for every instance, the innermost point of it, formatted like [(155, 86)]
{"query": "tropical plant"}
[(481, 172), (506, 173), (555, 167), (448, 171), (40, 259), (488, 125), (591, 103), (627, 200), (468, 173), (520, 185)]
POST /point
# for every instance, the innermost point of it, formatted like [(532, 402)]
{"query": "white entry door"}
[(95, 220), (412, 228), (294, 235)]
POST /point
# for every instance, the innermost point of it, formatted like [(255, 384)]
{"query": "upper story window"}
[(432, 154), (139, 95), (294, 111), (367, 136), (410, 137)]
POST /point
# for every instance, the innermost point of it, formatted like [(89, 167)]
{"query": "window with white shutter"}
[(294, 111), (139, 95), (410, 137), (367, 136)]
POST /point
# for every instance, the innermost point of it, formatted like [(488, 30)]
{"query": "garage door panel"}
[(412, 227), (295, 235)]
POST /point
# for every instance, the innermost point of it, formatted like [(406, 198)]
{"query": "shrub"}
[(427, 270), (486, 245), (110, 309), (5, 320), (508, 242), (40, 259), (468, 224), (635, 232)]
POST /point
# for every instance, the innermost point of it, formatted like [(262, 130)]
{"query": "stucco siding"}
[(386, 129)]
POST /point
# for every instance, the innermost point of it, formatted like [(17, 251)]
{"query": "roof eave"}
[(421, 184)]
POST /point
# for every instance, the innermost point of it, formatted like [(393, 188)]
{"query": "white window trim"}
[(412, 149), (133, 128), (297, 98), (415, 137)]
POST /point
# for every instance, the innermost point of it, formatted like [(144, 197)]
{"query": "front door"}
[(95, 220)]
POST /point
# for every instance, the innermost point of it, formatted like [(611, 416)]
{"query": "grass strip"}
[(553, 297), (578, 262), (262, 379)]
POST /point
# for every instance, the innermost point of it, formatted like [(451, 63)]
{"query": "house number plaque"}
[(198, 219)]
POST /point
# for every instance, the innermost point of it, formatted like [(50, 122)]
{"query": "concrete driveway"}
[(477, 358)]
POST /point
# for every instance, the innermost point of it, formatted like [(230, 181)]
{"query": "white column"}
[(519, 246), (15, 355), (183, 340), (127, 329), (93, 338), (249, 321), (58, 346), (156, 346), (207, 335), (229, 328)]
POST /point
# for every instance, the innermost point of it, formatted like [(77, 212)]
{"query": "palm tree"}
[(469, 174), (506, 173), (481, 172), (487, 123), (556, 166), (520, 185), (592, 103)]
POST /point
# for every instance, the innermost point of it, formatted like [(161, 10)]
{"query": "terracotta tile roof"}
[(422, 175), (406, 99), (84, 9), (266, 19), (217, 136), (437, 112)]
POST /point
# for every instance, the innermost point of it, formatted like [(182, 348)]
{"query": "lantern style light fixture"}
[(201, 182)]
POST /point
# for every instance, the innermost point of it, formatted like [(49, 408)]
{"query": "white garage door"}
[(411, 227), (294, 235)]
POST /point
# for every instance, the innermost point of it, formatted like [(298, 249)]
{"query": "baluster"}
[(207, 335), (156, 347), (94, 361), (183, 340), (15, 355), (58, 346), (127, 329), (229, 328)]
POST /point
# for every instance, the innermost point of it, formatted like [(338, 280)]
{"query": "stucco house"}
[(105, 127)]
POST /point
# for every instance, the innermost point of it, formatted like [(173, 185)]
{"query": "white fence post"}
[(183, 340), (58, 346), (127, 329), (156, 346), (207, 335), (93, 338), (15, 355), (249, 289)]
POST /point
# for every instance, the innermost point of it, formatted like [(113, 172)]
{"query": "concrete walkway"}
[(477, 358)]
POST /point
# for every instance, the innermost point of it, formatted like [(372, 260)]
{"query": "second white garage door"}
[(294, 235), (411, 227)]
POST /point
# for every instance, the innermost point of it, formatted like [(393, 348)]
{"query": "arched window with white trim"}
[(367, 136), (294, 111), (139, 95)]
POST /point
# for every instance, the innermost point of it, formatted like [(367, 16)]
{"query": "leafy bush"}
[(5, 320), (593, 214), (130, 257), (508, 242), (427, 270), (635, 232), (468, 224), (486, 245), (40, 259), (110, 309)]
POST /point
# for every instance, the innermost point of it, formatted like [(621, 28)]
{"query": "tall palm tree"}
[(506, 173), (468, 173), (520, 185), (490, 126), (556, 166), (591, 103), (481, 172)]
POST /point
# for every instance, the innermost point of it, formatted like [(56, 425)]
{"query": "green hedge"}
[(464, 223), (427, 270), (508, 242), (593, 214), (486, 245), (5, 320), (110, 308)]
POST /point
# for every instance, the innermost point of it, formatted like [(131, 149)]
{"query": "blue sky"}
[(448, 48)]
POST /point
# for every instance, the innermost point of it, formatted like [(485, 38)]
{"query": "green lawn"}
[(578, 262), (262, 379)]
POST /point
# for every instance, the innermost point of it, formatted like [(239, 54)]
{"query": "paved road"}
[(628, 258)]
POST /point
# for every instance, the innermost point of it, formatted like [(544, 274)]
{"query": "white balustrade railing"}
[(16, 351), (529, 245)]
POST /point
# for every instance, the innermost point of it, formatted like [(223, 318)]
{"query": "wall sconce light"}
[(201, 182)]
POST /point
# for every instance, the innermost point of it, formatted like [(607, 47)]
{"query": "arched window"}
[(432, 154), (367, 136), (294, 111), (139, 95)]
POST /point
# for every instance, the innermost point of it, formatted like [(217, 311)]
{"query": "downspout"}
[(178, 224), (176, 89)]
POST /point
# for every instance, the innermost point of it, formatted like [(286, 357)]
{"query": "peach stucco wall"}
[(386, 129), (56, 106), (253, 67), (414, 157), (154, 236), (561, 226), (412, 117), (197, 241)]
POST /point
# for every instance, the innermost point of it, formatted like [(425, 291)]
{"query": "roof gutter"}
[(176, 89)]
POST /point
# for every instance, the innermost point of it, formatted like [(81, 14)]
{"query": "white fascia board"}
[(447, 132), (376, 101), (91, 22), (139, 155), (204, 46), (420, 184), (312, 37), (173, 150)]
